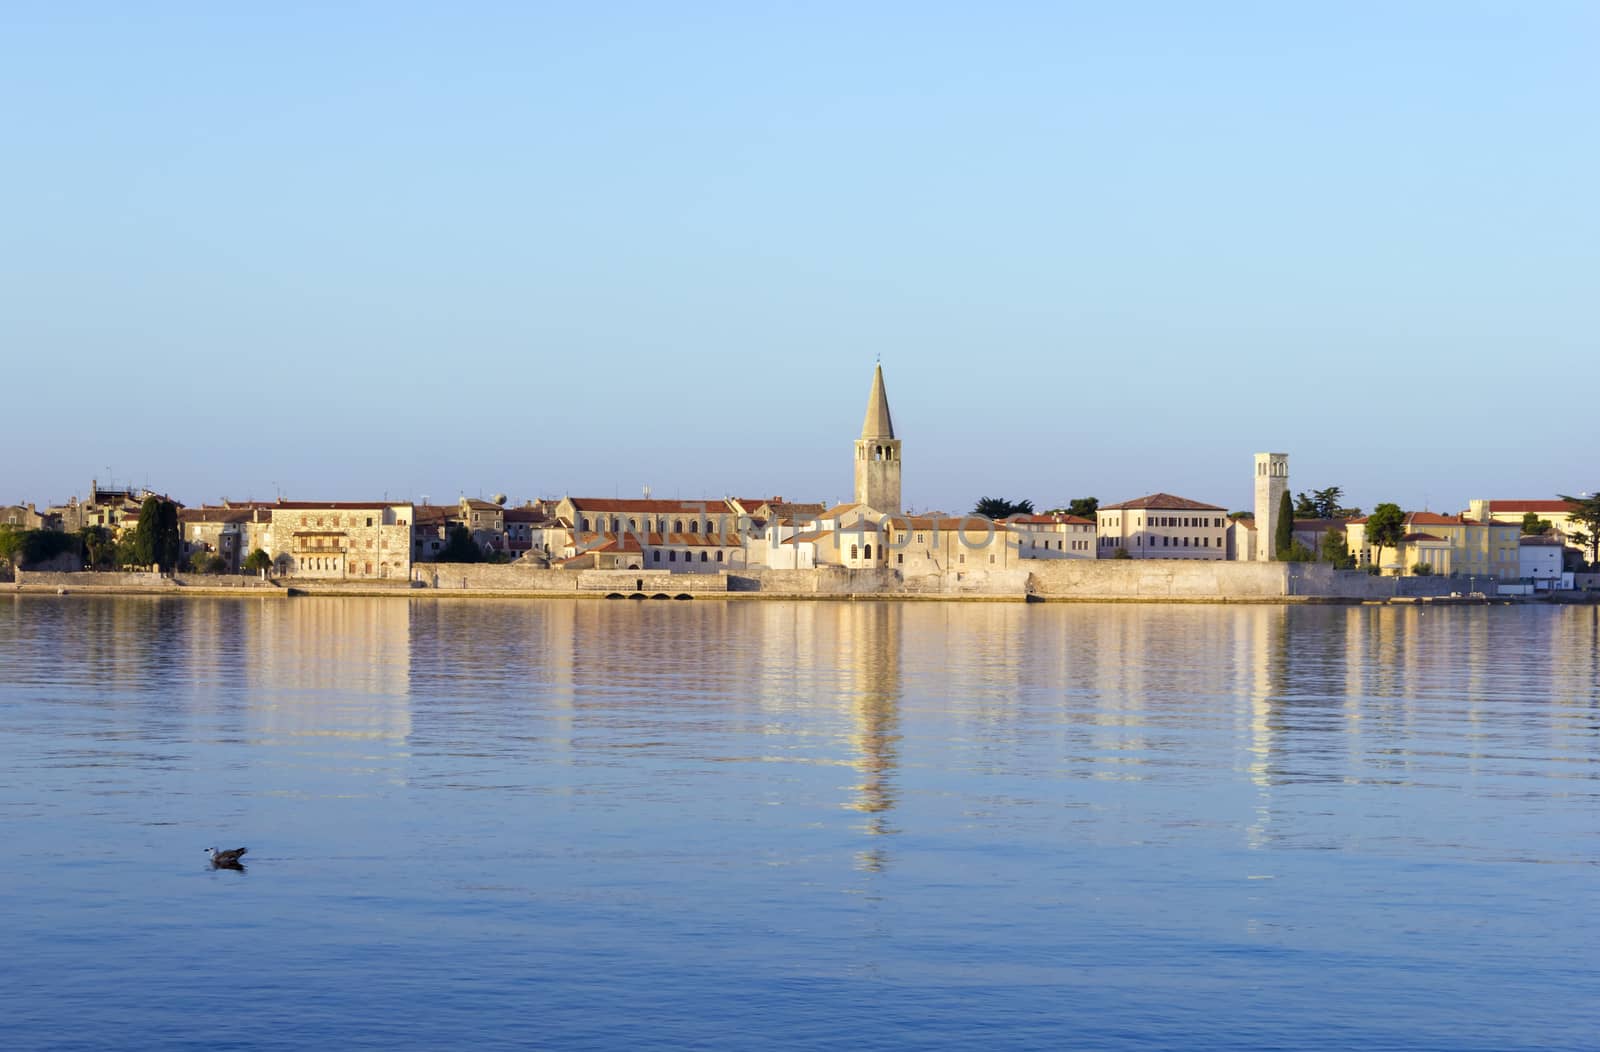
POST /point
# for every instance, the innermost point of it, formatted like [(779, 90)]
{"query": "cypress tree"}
[(145, 533), (169, 540), (1285, 532)]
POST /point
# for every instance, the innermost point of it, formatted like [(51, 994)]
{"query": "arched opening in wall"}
[(677, 526), (583, 524), (868, 553), (694, 527)]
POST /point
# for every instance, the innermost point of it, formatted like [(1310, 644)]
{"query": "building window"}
[(900, 558), (655, 557), (963, 557), (855, 552), (719, 556), (868, 553), (672, 557), (703, 556)]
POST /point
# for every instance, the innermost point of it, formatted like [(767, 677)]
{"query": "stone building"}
[(223, 531), (684, 536), (28, 517), (878, 453), (1162, 526), (341, 540)]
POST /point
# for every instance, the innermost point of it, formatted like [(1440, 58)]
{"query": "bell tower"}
[(1272, 482), (878, 454)]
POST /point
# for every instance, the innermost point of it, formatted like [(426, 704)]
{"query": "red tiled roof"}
[(710, 507), (525, 515), (628, 541), (1557, 506), (1161, 502), (224, 515), (1050, 520), (809, 538), (329, 505), (1551, 541)]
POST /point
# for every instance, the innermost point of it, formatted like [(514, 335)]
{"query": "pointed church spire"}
[(878, 424)]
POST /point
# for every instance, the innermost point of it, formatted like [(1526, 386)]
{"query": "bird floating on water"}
[(226, 858)]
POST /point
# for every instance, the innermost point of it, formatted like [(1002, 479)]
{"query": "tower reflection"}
[(869, 650)]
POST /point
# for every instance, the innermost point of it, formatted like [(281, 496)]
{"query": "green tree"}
[(1587, 511), (156, 540), (1297, 553), (1083, 507), (1121, 553), (1386, 528), (460, 547), (205, 563), (1336, 550), (258, 561), (144, 534), (127, 550), (1421, 570), (10, 543), (1533, 526), (98, 547), (1000, 508), (169, 536), (1284, 536)]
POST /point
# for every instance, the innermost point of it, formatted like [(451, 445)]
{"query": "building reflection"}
[(331, 667), (868, 648)]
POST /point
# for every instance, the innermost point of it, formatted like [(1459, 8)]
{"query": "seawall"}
[(1123, 580)]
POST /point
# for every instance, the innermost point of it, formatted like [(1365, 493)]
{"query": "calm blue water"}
[(815, 825)]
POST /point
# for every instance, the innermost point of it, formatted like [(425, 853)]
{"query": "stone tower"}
[(878, 454), (1272, 482)]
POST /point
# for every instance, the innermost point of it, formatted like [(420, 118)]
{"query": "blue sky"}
[(1102, 249)]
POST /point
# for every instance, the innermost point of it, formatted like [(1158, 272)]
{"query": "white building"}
[(1162, 526)]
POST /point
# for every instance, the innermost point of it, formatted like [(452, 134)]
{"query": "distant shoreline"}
[(312, 590)]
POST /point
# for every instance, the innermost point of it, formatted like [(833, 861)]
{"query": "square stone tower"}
[(878, 454), (1272, 482)]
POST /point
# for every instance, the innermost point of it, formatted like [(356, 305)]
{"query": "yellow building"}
[(1447, 544)]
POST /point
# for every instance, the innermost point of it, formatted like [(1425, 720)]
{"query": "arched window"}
[(583, 524), (868, 554), (855, 552), (694, 527), (677, 526)]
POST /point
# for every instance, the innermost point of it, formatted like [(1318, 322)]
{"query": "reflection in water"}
[(681, 820), (869, 647)]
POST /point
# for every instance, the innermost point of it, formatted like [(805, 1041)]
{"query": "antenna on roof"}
[(646, 491)]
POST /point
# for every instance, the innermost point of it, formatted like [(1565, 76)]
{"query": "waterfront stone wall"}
[(515, 577), (1158, 579), (491, 577), (119, 581)]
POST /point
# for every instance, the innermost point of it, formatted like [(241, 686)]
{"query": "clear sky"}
[(364, 249)]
